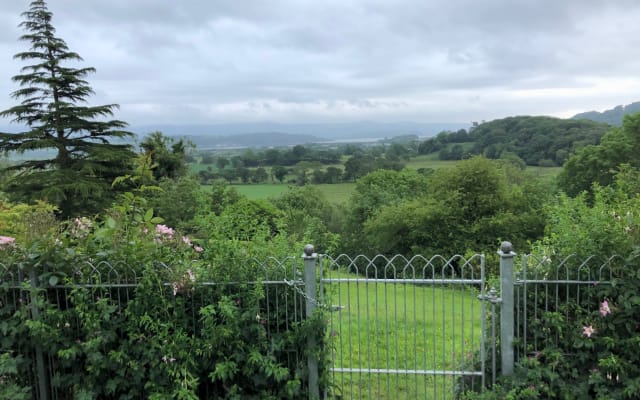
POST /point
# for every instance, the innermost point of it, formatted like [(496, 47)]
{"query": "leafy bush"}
[(590, 349), (584, 339), (126, 307)]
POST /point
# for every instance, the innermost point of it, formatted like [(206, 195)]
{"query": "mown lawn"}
[(335, 193), (393, 326), (261, 190)]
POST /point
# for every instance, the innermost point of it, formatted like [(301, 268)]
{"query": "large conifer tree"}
[(85, 148)]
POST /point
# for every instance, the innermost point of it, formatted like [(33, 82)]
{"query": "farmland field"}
[(429, 162), (341, 192), (336, 193), (262, 190)]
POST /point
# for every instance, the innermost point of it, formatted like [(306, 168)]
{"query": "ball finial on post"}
[(308, 250), (506, 247)]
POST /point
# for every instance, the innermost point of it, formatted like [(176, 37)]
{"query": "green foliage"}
[(243, 220), (222, 196), (360, 165), (24, 221), (383, 188), (599, 164), (586, 344), (308, 217), (168, 155), (80, 155), (588, 349), (179, 201), (534, 139), (9, 381), (161, 333), (468, 207), (606, 224), (279, 172), (441, 141)]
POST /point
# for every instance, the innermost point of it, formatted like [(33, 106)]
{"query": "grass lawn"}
[(401, 326), (261, 190), (335, 193), (429, 161)]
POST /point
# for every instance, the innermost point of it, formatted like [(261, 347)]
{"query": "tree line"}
[(537, 141), (301, 164)]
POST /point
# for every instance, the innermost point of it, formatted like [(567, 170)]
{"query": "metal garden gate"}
[(404, 328)]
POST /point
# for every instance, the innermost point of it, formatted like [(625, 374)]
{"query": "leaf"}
[(111, 223), (148, 216)]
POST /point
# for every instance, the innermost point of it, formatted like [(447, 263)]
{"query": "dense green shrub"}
[(587, 349), (586, 336), (186, 319)]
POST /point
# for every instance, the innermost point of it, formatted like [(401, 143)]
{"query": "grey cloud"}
[(169, 59)]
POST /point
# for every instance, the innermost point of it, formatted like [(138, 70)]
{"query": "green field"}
[(341, 192), (389, 326), (336, 193), (261, 190), (428, 161), (545, 171)]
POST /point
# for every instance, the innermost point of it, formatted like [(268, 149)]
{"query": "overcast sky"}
[(214, 61)]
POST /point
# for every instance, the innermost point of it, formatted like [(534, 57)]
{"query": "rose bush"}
[(123, 307), (587, 343)]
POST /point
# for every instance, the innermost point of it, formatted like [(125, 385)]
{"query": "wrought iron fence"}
[(282, 309), (546, 285), (397, 328), (404, 328)]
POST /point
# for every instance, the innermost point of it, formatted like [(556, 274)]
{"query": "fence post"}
[(43, 384), (506, 307), (311, 295)]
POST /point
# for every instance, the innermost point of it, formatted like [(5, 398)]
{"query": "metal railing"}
[(404, 328), (282, 308), (397, 327)]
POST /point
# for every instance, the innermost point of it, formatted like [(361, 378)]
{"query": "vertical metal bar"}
[(506, 311), (43, 386), (395, 324), (493, 335), (434, 323), (352, 379), (325, 393), (415, 335), (377, 328), (443, 324), (368, 323), (386, 331), (309, 258), (525, 300), (483, 356)]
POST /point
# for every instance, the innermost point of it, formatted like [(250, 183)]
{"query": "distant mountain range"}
[(266, 134), (611, 117), (242, 140), (331, 131), (281, 134)]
